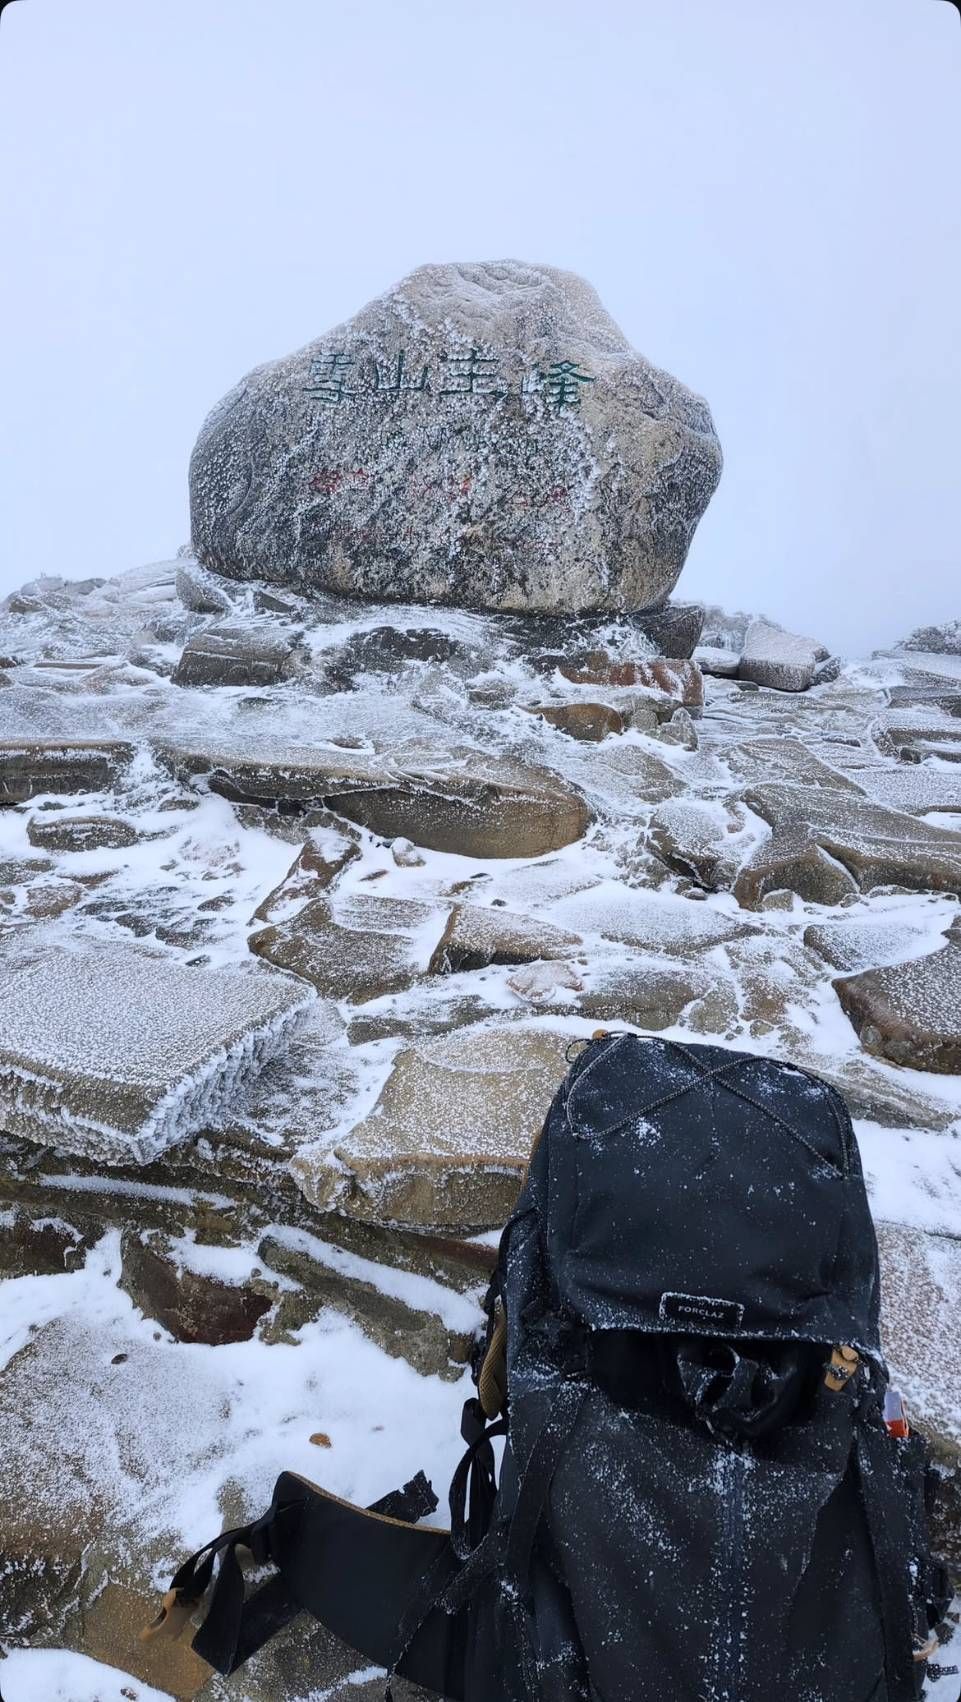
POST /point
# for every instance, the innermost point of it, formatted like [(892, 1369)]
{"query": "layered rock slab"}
[(448, 1141), (481, 435), (467, 801), (910, 1012), (31, 767), (827, 843), (121, 1054)]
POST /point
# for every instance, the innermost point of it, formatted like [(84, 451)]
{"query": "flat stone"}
[(356, 948), (766, 761), (466, 801), (590, 721), (828, 843), (910, 1012), (782, 660), (314, 870), (476, 936), (915, 788), (651, 922), (263, 654), (482, 435), (853, 945), (62, 832), (920, 1305), (873, 1090), (680, 679), (914, 735), (720, 664), (649, 995), (447, 1143), (29, 768), (120, 1053), (706, 840), (411, 1317), (169, 1282)]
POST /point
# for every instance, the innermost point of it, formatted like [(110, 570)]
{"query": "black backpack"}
[(699, 1499)]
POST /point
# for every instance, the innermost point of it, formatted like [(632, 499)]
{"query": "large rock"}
[(826, 844), (447, 1143), (358, 947), (477, 935), (124, 1053), (910, 1012), (456, 799), (707, 840), (59, 831), (942, 640), (481, 435), (782, 660), (252, 654)]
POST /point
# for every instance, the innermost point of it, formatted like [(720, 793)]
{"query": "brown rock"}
[(707, 841), (589, 721), (30, 767), (448, 1141), (357, 949), (650, 995), (826, 843), (909, 1013), (192, 1304), (113, 1622), (259, 654), (31, 1245), (476, 936), (679, 678), (467, 801), (315, 868), (434, 1336), (61, 832)]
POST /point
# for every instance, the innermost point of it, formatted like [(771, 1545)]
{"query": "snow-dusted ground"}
[(192, 882)]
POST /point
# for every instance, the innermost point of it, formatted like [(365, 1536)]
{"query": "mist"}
[(765, 197)]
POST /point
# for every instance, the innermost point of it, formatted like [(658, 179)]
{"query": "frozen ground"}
[(674, 947)]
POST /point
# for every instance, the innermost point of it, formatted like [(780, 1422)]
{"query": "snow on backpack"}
[(699, 1499)]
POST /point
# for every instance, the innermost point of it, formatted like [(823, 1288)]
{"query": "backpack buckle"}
[(841, 1367), (169, 1623)]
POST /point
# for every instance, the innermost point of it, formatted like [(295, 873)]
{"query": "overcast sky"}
[(766, 195)]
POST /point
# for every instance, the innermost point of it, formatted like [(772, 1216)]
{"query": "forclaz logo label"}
[(700, 1309)]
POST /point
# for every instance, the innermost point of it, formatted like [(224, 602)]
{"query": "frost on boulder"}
[(121, 1054), (482, 435)]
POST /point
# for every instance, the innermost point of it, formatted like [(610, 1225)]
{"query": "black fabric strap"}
[(474, 1484)]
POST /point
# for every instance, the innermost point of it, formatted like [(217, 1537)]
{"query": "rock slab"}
[(121, 1054), (482, 435)]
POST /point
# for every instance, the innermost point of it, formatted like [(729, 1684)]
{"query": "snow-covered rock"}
[(782, 660), (482, 435), (122, 1054)]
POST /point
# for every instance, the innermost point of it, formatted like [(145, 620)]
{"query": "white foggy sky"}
[(764, 192)]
